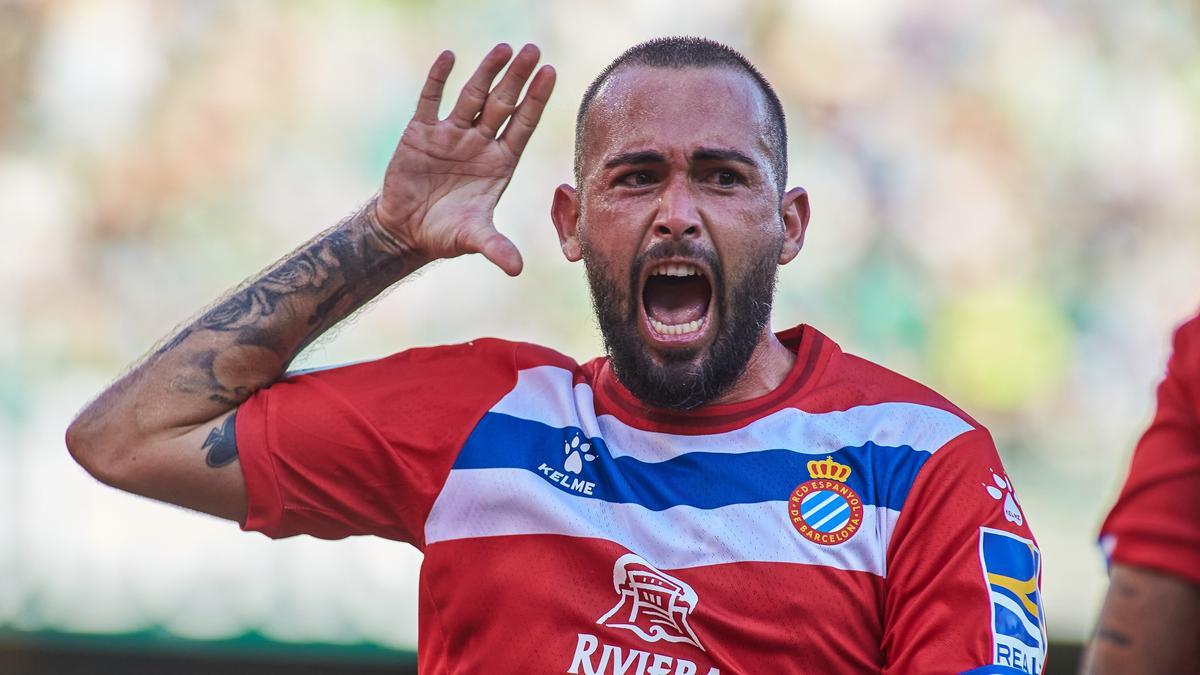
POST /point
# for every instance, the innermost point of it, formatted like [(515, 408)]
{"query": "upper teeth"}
[(676, 329), (676, 270)]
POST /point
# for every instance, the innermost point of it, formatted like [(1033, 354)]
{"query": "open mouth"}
[(677, 301)]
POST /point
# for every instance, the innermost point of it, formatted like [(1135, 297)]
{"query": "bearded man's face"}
[(679, 226)]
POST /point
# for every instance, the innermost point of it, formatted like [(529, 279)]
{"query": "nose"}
[(677, 216)]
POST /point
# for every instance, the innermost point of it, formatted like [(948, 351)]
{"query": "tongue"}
[(676, 300)]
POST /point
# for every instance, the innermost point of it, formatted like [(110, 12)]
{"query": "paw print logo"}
[(576, 452), (1002, 490)]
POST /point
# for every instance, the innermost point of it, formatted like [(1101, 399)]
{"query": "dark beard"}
[(685, 379)]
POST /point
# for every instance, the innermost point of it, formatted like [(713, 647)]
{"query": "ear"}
[(564, 211), (793, 208)]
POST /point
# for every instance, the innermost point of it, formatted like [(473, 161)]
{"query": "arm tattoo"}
[(222, 443), (246, 340)]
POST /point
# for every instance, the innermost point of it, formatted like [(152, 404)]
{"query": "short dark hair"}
[(692, 52)]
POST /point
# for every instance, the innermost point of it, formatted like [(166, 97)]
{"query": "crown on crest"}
[(827, 468)]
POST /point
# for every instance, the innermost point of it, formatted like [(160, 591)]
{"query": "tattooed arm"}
[(166, 429), (1150, 624)]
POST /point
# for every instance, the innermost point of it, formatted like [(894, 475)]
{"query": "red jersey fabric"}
[(851, 521), (1156, 520)]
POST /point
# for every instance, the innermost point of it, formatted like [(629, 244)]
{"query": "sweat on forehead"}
[(679, 53)]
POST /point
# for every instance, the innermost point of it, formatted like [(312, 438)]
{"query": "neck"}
[(768, 367)]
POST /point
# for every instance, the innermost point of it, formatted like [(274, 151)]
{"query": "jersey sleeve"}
[(365, 448), (1156, 520), (963, 584)]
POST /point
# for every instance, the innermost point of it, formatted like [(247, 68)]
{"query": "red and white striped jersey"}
[(850, 521)]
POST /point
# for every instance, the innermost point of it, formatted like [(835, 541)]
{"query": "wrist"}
[(388, 239)]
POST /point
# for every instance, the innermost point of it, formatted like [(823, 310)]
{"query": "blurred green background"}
[(1004, 199)]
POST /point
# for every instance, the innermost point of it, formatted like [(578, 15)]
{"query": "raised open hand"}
[(443, 182)]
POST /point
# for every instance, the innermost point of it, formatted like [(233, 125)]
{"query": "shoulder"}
[(912, 435), (851, 381), (480, 363), (518, 355), (483, 349)]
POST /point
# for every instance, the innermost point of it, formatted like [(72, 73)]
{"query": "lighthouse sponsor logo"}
[(651, 603)]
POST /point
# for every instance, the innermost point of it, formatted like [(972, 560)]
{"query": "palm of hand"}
[(446, 176), (450, 179)]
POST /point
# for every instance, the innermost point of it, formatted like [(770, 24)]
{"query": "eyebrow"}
[(700, 155), (722, 155), (638, 157)]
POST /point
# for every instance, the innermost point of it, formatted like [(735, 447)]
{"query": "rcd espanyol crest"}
[(825, 510)]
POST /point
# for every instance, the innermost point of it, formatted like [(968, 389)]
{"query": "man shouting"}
[(708, 497)]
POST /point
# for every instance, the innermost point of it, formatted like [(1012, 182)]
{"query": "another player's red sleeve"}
[(365, 448), (1156, 520), (963, 571)]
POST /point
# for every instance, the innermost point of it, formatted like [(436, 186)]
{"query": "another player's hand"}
[(446, 175)]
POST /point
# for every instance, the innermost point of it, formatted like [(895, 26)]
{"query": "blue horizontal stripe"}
[(880, 475), (994, 670)]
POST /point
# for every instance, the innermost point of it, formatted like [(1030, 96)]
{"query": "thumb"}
[(499, 249)]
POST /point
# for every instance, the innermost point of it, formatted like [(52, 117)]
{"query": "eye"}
[(636, 179), (727, 177)]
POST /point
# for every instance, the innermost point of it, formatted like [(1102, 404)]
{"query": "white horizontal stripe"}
[(500, 502), (545, 394)]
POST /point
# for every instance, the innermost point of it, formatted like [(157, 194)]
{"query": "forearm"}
[(166, 429), (247, 339)]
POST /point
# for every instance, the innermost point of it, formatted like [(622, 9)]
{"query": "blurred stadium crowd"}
[(1004, 199)]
